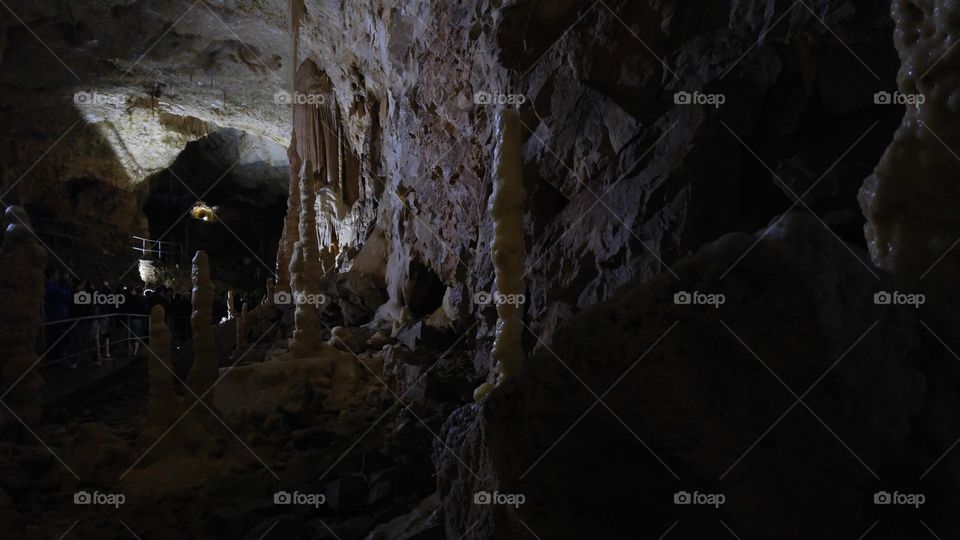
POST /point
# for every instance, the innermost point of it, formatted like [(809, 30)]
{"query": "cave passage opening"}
[(224, 194)]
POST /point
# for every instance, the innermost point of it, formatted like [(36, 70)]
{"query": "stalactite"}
[(320, 139), (231, 309), (351, 191), (162, 404), (507, 207), (22, 261), (205, 367), (297, 10)]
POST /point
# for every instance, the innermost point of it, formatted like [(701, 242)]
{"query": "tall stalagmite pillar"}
[(306, 272), (291, 223), (162, 403), (243, 328), (231, 301), (507, 207), (205, 368)]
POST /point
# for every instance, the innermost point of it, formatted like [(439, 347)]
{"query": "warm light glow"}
[(202, 212)]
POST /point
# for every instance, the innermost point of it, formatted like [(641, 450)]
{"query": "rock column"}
[(162, 404), (507, 207), (205, 368)]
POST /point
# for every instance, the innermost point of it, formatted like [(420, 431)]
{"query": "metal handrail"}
[(91, 317), (62, 358), (155, 248), (155, 241)]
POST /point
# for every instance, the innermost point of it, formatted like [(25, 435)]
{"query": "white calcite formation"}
[(205, 368), (231, 309), (321, 138), (291, 227), (911, 199), (507, 206), (306, 271), (21, 294)]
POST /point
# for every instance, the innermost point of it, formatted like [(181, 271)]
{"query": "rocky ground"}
[(369, 454)]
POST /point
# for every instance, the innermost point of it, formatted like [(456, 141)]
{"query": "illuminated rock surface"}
[(507, 205), (910, 200)]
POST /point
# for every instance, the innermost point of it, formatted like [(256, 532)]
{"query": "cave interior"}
[(474, 269)]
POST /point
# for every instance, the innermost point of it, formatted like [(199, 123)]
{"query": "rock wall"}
[(797, 398), (624, 175)]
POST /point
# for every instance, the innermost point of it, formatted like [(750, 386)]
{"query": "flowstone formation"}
[(22, 261), (911, 199)]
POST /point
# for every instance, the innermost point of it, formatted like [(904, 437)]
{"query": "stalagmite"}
[(205, 368), (22, 261), (231, 309), (306, 272), (163, 404), (507, 207), (911, 199), (291, 225), (271, 291), (243, 328)]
